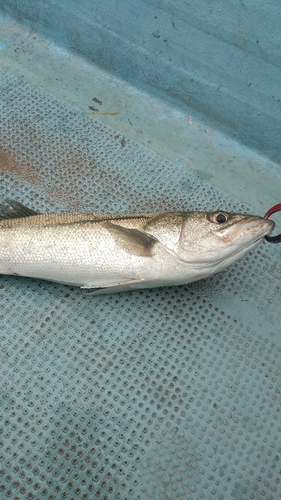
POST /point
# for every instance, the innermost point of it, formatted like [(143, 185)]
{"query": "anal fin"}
[(111, 289), (116, 288)]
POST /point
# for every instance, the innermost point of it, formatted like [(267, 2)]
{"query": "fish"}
[(109, 253)]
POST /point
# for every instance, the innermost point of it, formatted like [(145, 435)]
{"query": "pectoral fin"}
[(132, 241)]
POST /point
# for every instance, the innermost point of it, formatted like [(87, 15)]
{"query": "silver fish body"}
[(115, 253)]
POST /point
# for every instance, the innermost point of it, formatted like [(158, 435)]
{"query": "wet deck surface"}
[(166, 393)]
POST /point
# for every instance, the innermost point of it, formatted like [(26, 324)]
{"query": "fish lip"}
[(272, 226), (248, 247), (252, 222), (266, 222), (268, 225), (265, 227)]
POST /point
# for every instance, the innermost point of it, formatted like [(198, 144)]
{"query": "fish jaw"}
[(248, 231), (242, 242), (243, 237)]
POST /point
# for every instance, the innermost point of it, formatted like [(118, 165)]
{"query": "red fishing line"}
[(273, 210)]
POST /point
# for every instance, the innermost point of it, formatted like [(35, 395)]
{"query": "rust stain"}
[(73, 166), (64, 172), (8, 161)]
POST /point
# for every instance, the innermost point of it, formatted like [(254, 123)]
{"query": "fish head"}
[(216, 240)]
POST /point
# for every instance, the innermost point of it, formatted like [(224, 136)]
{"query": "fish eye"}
[(219, 217)]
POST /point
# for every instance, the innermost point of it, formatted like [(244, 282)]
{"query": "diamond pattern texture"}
[(166, 393)]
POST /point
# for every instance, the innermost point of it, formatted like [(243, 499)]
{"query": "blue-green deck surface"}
[(170, 393)]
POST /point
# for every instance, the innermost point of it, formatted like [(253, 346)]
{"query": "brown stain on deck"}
[(65, 175), (9, 162)]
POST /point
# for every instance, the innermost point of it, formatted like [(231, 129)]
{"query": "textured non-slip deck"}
[(166, 393)]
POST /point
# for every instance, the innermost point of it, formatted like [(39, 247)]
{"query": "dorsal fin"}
[(15, 210)]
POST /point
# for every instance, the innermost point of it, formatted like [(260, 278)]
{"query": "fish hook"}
[(272, 210)]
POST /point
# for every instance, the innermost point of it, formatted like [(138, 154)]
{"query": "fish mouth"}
[(266, 227), (247, 246), (252, 230)]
